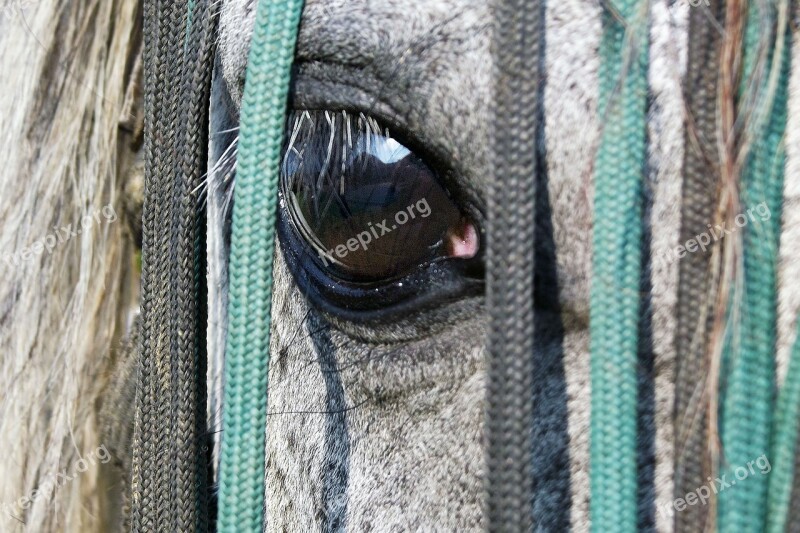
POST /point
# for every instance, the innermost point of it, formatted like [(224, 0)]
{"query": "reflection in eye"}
[(368, 207)]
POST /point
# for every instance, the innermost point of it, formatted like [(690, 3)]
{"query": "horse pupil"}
[(368, 207)]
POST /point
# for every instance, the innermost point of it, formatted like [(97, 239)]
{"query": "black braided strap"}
[(170, 488), (695, 309), (145, 468), (190, 417), (511, 214)]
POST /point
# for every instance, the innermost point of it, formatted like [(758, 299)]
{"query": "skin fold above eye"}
[(367, 206)]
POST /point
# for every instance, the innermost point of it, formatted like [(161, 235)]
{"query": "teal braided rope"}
[(786, 424), (242, 456), (748, 393), (785, 427), (616, 267)]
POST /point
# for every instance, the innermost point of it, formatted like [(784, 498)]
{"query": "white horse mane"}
[(67, 289)]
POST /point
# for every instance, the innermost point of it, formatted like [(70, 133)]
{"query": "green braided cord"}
[(785, 427), (748, 391), (615, 301), (242, 456), (783, 446)]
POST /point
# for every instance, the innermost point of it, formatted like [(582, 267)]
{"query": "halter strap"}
[(169, 487), (244, 409)]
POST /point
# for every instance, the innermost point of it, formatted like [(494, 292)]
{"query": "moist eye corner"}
[(463, 242)]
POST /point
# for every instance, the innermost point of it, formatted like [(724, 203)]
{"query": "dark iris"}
[(368, 207)]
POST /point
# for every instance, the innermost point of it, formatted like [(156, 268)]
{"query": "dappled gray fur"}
[(789, 271), (426, 65), (665, 127), (411, 432), (402, 448), (219, 190)]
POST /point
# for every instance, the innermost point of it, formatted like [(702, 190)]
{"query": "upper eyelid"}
[(315, 84), (320, 85)]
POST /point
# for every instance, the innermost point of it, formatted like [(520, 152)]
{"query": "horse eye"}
[(366, 206)]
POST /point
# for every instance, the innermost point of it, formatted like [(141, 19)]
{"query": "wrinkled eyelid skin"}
[(423, 72), (318, 85)]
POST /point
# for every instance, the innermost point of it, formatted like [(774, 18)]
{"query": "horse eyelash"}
[(334, 137)]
